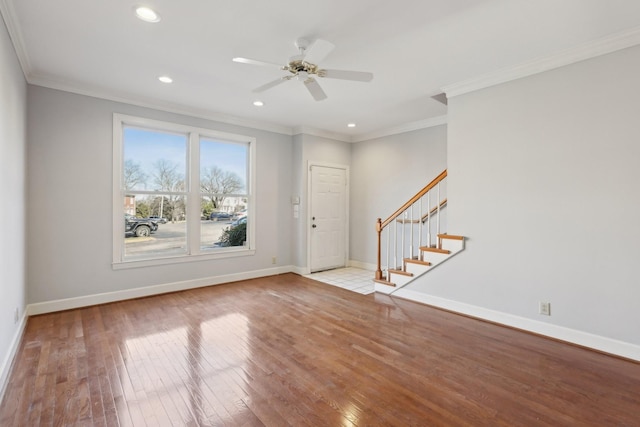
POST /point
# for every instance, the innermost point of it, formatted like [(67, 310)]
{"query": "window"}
[(180, 193)]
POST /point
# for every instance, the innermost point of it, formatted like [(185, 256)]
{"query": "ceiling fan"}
[(302, 67)]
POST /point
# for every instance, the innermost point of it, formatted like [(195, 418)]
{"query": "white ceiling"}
[(413, 47)]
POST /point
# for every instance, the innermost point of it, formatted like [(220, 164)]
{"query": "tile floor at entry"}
[(351, 278)]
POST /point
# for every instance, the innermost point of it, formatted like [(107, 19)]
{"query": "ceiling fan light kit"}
[(302, 67)]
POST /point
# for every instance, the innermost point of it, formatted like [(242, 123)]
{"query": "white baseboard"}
[(362, 265), (103, 298), (596, 342), (302, 271), (305, 271), (10, 355)]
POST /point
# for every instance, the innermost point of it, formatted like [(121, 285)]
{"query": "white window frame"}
[(194, 253)]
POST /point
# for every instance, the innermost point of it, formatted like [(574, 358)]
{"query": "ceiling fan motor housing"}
[(302, 67), (298, 66)]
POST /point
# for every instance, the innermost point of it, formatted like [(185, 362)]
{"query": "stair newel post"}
[(420, 230), (379, 232)]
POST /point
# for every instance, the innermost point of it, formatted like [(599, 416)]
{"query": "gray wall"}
[(13, 114), (385, 173), (543, 179), (70, 197)]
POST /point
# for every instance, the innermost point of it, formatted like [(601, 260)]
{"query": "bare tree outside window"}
[(216, 184), (134, 176), (166, 178), (160, 191)]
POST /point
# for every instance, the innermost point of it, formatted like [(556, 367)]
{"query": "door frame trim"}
[(347, 204)]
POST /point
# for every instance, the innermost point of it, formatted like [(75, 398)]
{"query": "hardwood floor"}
[(286, 350)]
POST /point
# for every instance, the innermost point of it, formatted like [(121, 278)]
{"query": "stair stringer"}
[(455, 246)]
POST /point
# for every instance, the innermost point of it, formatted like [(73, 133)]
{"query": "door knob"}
[(314, 226)]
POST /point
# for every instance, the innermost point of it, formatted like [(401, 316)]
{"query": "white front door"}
[(328, 219)]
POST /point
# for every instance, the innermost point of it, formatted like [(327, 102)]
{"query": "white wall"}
[(13, 113), (544, 181), (386, 172), (70, 196)]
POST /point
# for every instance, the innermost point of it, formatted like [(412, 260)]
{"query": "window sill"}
[(179, 259)]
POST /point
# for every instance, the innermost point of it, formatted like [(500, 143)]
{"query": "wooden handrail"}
[(426, 216), (382, 224), (414, 199)]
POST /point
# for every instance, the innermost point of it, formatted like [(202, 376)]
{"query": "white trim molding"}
[(9, 358), (584, 339), (407, 127), (15, 33), (125, 294), (362, 265), (603, 46), (305, 130)]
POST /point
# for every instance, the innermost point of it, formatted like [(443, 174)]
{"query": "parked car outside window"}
[(219, 216), (158, 219), (237, 222), (139, 227)]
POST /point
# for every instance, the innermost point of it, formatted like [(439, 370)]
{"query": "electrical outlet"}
[(16, 315), (273, 260), (545, 308)]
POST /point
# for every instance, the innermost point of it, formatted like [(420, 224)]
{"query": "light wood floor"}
[(286, 350)]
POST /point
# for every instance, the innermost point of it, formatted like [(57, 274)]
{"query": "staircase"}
[(413, 239)]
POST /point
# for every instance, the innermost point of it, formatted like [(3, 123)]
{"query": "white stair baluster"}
[(411, 235), (429, 219), (438, 211)]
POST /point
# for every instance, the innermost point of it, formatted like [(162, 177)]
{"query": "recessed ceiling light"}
[(165, 79), (147, 14), (258, 103), (351, 125)]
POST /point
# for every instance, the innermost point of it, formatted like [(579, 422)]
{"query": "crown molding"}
[(14, 30), (154, 104), (321, 133), (407, 127), (602, 46)]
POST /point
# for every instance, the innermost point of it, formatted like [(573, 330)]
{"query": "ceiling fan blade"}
[(314, 89), (359, 76), (318, 51), (272, 84), (256, 62)]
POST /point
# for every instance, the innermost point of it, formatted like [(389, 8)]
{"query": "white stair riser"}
[(453, 245), (417, 269), (383, 289), (400, 279), (435, 258)]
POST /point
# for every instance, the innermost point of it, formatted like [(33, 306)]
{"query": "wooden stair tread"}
[(384, 282), (450, 236), (401, 272), (416, 261), (437, 250)]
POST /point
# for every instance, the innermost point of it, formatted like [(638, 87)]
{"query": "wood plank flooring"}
[(286, 350)]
